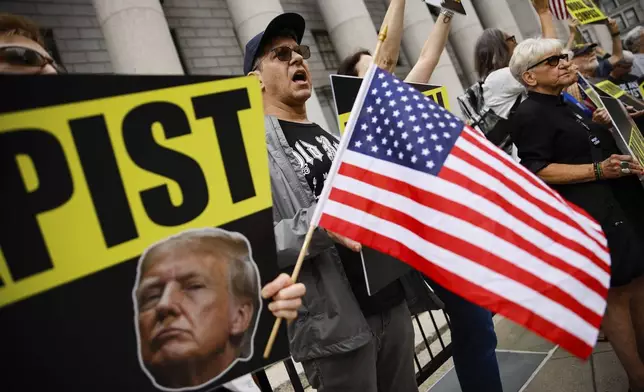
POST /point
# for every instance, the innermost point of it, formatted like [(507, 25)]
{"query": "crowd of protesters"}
[(528, 101)]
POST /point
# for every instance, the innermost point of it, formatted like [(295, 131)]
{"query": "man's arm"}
[(390, 49), (617, 54), (545, 16), (557, 173), (573, 26), (432, 49)]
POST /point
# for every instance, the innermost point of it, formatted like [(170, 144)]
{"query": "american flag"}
[(559, 9), (413, 181)]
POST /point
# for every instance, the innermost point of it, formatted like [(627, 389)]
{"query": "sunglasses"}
[(552, 61), (285, 53), (512, 39), (24, 57)]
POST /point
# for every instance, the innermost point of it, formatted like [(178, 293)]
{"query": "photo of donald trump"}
[(196, 304)]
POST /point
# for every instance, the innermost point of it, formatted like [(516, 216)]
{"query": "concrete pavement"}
[(559, 372)]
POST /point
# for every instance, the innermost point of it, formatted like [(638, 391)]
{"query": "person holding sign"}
[(580, 160), (22, 48), (493, 51), (175, 309), (585, 55), (635, 43), (622, 77), (358, 63), (490, 102), (345, 339), (574, 35)]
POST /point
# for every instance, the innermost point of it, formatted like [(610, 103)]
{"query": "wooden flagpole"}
[(307, 240)]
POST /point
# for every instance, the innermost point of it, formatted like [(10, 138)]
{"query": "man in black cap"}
[(345, 339), (587, 60)]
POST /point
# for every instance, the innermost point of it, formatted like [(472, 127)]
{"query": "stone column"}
[(497, 14), (138, 37), (466, 29), (349, 24), (526, 17), (250, 17), (417, 26), (604, 38)]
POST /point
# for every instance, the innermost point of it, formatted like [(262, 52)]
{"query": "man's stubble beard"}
[(588, 69)]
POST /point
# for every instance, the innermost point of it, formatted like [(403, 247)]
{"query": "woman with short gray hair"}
[(580, 160), (635, 43)]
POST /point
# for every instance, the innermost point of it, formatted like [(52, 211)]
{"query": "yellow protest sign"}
[(585, 11), (636, 143), (616, 92), (346, 88), (88, 185), (642, 88), (611, 89)]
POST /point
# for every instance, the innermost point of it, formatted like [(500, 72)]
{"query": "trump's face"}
[(185, 315)]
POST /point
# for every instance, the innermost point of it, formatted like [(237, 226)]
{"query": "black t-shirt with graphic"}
[(315, 150)]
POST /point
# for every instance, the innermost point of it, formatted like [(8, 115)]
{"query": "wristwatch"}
[(447, 13)]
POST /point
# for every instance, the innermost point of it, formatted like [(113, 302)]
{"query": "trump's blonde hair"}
[(218, 245)]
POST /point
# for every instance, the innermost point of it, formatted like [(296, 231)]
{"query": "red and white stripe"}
[(559, 9), (485, 228)]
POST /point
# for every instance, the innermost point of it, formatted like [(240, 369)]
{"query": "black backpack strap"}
[(514, 107)]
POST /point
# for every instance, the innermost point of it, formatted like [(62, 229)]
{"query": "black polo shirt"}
[(545, 131)]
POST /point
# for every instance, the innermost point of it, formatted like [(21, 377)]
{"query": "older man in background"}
[(22, 48), (635, 43), (585, 56), (621, 75)]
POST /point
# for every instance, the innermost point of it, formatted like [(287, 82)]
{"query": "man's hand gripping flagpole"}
[(343, 145)]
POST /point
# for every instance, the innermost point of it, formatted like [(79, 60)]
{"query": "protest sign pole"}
[(307, 240)]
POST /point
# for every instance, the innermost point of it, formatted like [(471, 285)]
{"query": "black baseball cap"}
[(583, 49), (287, 21)]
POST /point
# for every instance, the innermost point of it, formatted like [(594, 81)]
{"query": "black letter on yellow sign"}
[(21, 239), (147, 154), (223, 108), (104, 179)]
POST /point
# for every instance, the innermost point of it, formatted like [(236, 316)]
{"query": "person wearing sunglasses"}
[(580, 159), (344, 341), (22, 49), (590, 58), (489, 102), (621, 76), (22, 52)]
